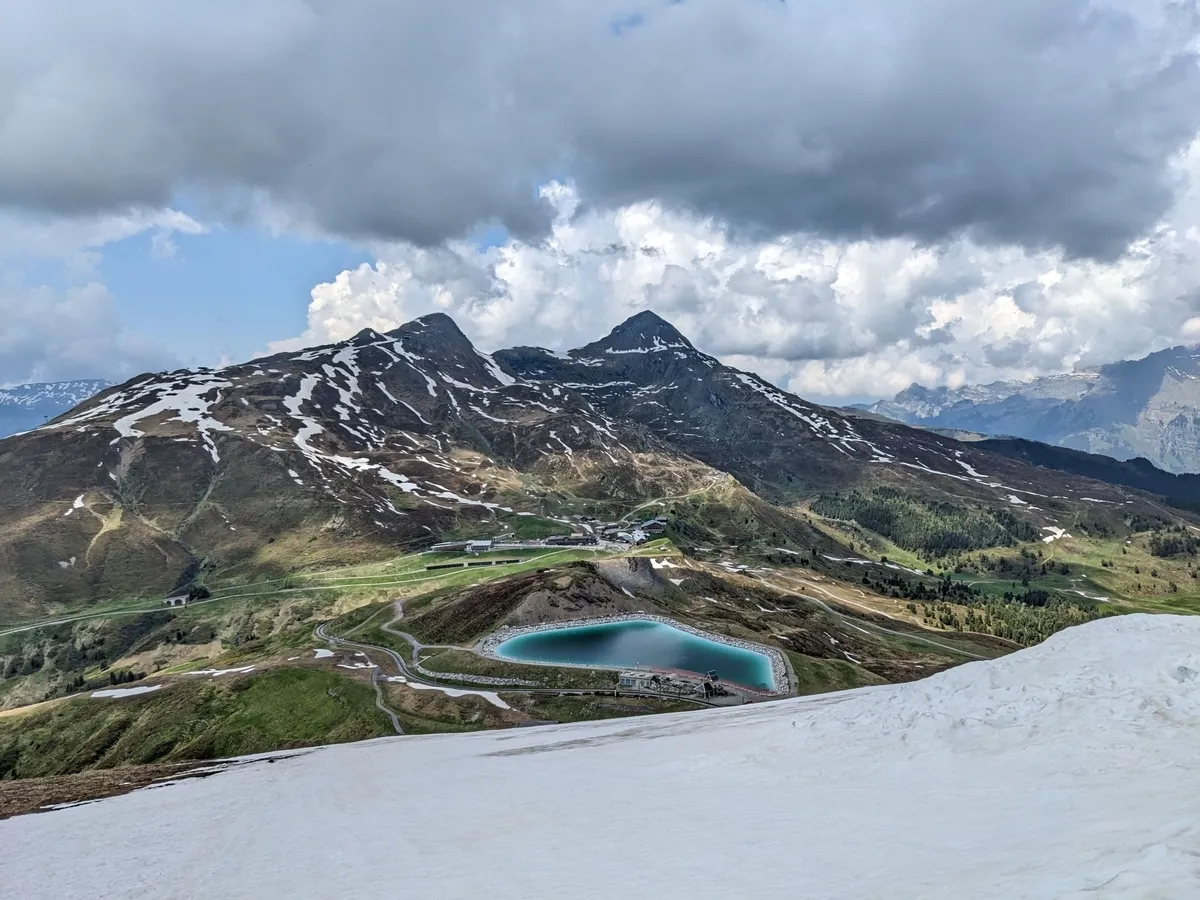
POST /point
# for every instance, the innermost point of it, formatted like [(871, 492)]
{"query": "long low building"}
[(496, 544), (449, 547)]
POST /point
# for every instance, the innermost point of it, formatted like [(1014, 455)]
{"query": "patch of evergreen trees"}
[(1175, 542), (933, 527)]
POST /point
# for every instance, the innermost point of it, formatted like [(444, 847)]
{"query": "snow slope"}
[(1064, 771)]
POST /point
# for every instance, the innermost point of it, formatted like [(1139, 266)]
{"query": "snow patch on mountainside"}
[(190, 396), (115, 693), (1065, 771), (495, 371), (656, 344)]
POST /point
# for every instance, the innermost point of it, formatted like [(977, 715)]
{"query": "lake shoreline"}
[(779, 672)]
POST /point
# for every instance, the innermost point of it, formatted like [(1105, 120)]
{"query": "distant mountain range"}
[(27, 406), (1148, 408)]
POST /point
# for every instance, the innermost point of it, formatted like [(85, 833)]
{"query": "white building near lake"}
[(638, 681)]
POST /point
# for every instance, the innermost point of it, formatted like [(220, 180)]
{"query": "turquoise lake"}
[(653, 645)]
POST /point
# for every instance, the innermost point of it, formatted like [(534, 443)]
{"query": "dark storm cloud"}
[(1040, 122)]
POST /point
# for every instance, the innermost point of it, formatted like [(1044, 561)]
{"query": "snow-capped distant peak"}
[(69, 393), (26, 406)]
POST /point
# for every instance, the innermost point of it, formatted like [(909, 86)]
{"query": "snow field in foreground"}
[(1065, 771)]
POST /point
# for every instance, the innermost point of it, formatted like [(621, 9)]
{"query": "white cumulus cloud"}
[(58, 335), (829, 319), (56, 332)]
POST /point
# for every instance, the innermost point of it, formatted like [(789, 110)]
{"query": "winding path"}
[(381, 704), (713, 482), (322, 632), (863, 624)]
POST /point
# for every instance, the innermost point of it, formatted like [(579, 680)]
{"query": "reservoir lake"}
[(640, 643)]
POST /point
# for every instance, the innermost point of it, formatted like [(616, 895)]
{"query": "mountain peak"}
[(432, 324), (438, 320), (643, 333), (436, 332), (366, 336)]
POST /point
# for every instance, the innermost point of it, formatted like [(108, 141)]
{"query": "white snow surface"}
[(490, 696), (125, 692), (1064, 771), (214, 673)]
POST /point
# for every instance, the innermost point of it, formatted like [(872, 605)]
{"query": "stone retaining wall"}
[(474, 679)]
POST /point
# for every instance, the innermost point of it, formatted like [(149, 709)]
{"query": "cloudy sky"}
[(844, 195)]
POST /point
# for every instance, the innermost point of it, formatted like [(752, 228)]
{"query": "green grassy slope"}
[(190, 720)]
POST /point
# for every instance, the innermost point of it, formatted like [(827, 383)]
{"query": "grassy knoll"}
[(960, 645), (354, 624), (657, 547), (819, 676), (731, 517), (403, 577), (190, 720), (550, 708), (432, 712), (373, 633), (1130, 575), (1123, 572), (531, 528), (369, 630), (413, 723)]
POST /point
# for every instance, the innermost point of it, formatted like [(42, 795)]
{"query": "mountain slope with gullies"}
[(1148, 408), (336, 453), (777, 444), (352, 451)]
